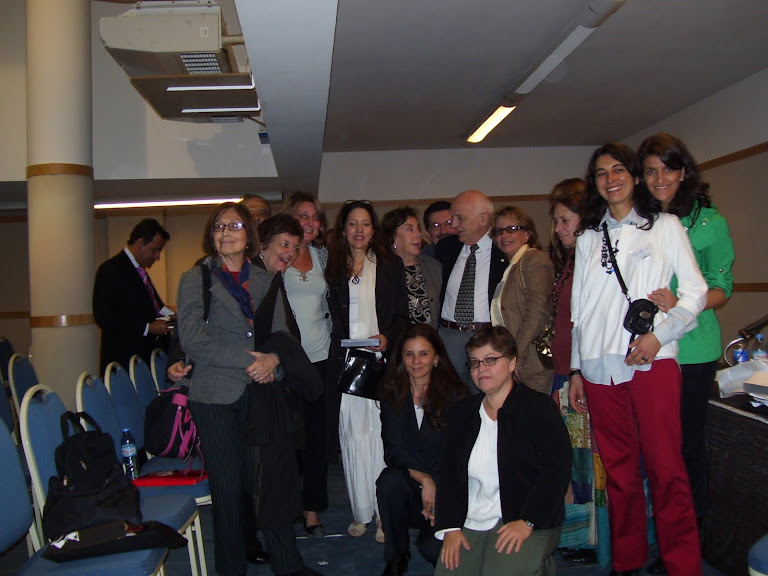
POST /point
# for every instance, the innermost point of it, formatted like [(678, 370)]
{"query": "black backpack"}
[(169, 429), (91, 487)]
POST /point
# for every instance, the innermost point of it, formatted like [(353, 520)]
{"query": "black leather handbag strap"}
[(614, 264)]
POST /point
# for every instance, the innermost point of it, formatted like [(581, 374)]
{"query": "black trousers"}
[(232, 466), (313, 463), (696, 388), (400, 507)]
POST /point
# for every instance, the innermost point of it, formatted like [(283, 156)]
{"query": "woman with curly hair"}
[(633, 382), (672, 177), (367, 300)]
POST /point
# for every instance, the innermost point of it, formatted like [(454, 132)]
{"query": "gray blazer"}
[(218, 348), (433, 279)]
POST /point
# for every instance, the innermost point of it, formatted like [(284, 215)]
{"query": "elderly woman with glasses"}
[(504, 468), (522, 300), (218, 329)]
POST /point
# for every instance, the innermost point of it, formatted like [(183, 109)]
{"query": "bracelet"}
[(529, 524), (573, 373)]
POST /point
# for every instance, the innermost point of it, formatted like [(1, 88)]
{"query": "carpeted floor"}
[(338, 554)]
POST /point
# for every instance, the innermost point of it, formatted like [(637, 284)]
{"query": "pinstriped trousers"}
[(232, 466)]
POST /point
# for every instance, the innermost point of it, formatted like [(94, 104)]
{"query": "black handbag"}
[(92, 487), (639, 317), (361, 374)]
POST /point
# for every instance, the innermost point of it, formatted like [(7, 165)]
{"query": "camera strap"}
[(614, 264)]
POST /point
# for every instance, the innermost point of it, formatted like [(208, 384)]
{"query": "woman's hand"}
[(663, 298), (177, 371), (511, 536), (263, 369), (428, 490), (382, 347), (643, 350), (576, 395), (452, 544)]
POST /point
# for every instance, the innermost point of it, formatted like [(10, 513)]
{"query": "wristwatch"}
[(573, 373), (529, 524)]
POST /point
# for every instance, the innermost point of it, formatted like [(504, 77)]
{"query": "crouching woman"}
[(504, 468)]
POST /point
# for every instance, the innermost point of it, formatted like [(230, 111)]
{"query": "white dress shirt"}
[(482, 272)]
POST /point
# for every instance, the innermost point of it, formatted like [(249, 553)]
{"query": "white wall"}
[(13, 108), (416, 174)]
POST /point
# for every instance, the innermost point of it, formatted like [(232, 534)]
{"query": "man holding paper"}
[(126, 306)]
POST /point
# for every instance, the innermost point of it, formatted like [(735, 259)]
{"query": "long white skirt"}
[(362, 453)]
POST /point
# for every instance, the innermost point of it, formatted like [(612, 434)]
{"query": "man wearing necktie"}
[(472, 267), (126, 305)]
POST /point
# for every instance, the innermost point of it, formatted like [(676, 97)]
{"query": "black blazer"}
[(122, 308), (534, 459), (405, 444), (447, 252), (392, 316)]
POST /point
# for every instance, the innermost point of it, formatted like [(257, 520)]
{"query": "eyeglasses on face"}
[(508, 230), (447, 224), (487, 361), (231, 226)]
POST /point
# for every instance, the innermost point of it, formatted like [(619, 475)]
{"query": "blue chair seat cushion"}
[(125, 564), (175, 510), (758, 556)]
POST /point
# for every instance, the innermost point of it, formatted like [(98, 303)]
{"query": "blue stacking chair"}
[(40, 418), (143, 381), (5, 407), (92, 397), (131, 415), (159, 365), (21, 376), (757, 559), (17, 520)]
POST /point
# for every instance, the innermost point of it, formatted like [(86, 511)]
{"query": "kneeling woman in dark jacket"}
[(421, 383), (504, 469)]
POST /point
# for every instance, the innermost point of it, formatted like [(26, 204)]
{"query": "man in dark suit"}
[(438, 223), (466, 299), (126, 305)]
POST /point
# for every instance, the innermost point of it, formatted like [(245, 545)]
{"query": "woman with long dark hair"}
[(368, 300), (672, 177), (420, 384), (633, 382)]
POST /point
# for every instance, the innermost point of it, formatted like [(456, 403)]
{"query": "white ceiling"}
[(353, 75)]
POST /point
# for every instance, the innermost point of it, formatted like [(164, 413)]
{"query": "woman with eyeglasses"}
[(423, 274), (217, 331), (632, 381), (672, 177), (308, 294), (522, 302), (504, 469), (368, 300)]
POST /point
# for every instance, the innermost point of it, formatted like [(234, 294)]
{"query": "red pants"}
[(642, 416)]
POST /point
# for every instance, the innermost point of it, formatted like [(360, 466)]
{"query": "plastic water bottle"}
[(130, 459), (740, 353), (760, 349)]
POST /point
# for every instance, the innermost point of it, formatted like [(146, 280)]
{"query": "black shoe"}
[(257, 555), (581, 555), (623, 573), (656, 567), (398, 566)]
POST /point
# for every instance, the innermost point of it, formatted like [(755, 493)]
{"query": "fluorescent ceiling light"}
[(579, 34), (250, 86), (217, 110), (164, 203), (490, 123)]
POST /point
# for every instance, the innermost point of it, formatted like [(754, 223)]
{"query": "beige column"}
[(60, 192)]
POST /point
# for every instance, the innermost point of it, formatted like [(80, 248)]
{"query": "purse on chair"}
[(361, 374)]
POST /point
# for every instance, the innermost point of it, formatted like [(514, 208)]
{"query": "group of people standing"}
[(462, 439)]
